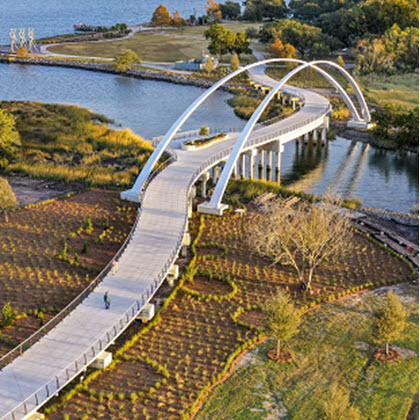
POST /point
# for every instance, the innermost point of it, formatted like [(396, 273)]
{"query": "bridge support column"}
[(190, 201), (278, 163), (251, 154), (269, 165), (204, 178), (315, 135), (235, 171), (261, 172), (283, 99), (242, 165)]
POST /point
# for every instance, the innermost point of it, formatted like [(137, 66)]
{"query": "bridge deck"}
[(155, 242)]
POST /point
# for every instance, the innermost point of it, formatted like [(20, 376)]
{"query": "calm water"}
[(53, 17), (387, 180)]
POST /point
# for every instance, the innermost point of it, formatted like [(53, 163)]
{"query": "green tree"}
[(344, 24), (336, 405), (234, 62), (161, 17), (380, 16), (404, 46), (373, 58), (281, 319), (230, 10), (241, 44), (8, 315), (256, 10), (9, 138), (303, 37), (126, 60), (389, 319), (7, 198), (222, 41)]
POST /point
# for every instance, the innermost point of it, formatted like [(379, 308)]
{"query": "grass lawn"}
[(173, 45), (401, 89), (333, 345)]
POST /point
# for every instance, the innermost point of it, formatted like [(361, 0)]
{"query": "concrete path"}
[(33, 378)]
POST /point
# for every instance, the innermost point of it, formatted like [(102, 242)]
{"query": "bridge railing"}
[(45, 329), (84, 359)]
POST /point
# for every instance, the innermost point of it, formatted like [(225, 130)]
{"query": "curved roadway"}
[(146, 260)]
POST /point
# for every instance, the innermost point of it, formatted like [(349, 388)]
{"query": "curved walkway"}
[(33, 378)]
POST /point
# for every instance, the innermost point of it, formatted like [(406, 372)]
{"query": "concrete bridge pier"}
[(251, 155), (242, 166), (270, 165), (205, 176), (261, 161)]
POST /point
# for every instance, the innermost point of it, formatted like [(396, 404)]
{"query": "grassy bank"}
[(400, 89), (157, 46), (72, 144), (333, 346)]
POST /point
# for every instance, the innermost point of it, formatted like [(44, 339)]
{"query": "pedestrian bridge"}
[(41, 366)]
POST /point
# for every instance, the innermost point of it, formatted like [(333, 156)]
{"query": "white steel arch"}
[(215, 201), (135, 192)]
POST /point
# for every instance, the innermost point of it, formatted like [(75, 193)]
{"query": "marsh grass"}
[(69, 143)]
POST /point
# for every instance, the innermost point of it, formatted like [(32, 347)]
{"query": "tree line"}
[(384, 35)]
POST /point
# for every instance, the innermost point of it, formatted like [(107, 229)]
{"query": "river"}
[(383, 179)]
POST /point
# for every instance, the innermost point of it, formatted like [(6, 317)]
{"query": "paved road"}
[(156, 239)]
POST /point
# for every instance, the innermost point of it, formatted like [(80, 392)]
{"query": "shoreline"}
[(106, 68)]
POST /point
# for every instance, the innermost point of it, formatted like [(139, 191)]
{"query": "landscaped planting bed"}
[(191, 343), (50, 252)]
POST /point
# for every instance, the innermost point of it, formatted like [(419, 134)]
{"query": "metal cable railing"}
[(84, 359)]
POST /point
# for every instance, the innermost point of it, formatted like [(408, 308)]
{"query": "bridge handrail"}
[(83, 360), (30, 341)]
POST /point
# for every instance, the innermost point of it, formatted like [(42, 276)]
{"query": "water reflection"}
[(388, 163), (308, 166), (358, 171)]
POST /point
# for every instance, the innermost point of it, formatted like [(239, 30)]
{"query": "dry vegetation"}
[(164, 370), (36, 276)]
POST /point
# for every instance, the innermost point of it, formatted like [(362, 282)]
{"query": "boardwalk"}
[(31, 379)]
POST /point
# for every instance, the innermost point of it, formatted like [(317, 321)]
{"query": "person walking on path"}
[(107, 300)]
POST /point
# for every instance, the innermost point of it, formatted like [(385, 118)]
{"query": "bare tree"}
[(303, 236)]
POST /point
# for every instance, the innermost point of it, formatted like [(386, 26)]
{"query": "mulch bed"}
[(285, 356), (392, 356)]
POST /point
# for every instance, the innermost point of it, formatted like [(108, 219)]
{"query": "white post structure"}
[(12, 34), (22, 38)]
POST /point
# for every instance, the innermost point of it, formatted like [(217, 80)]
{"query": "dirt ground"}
[(31, 191)]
